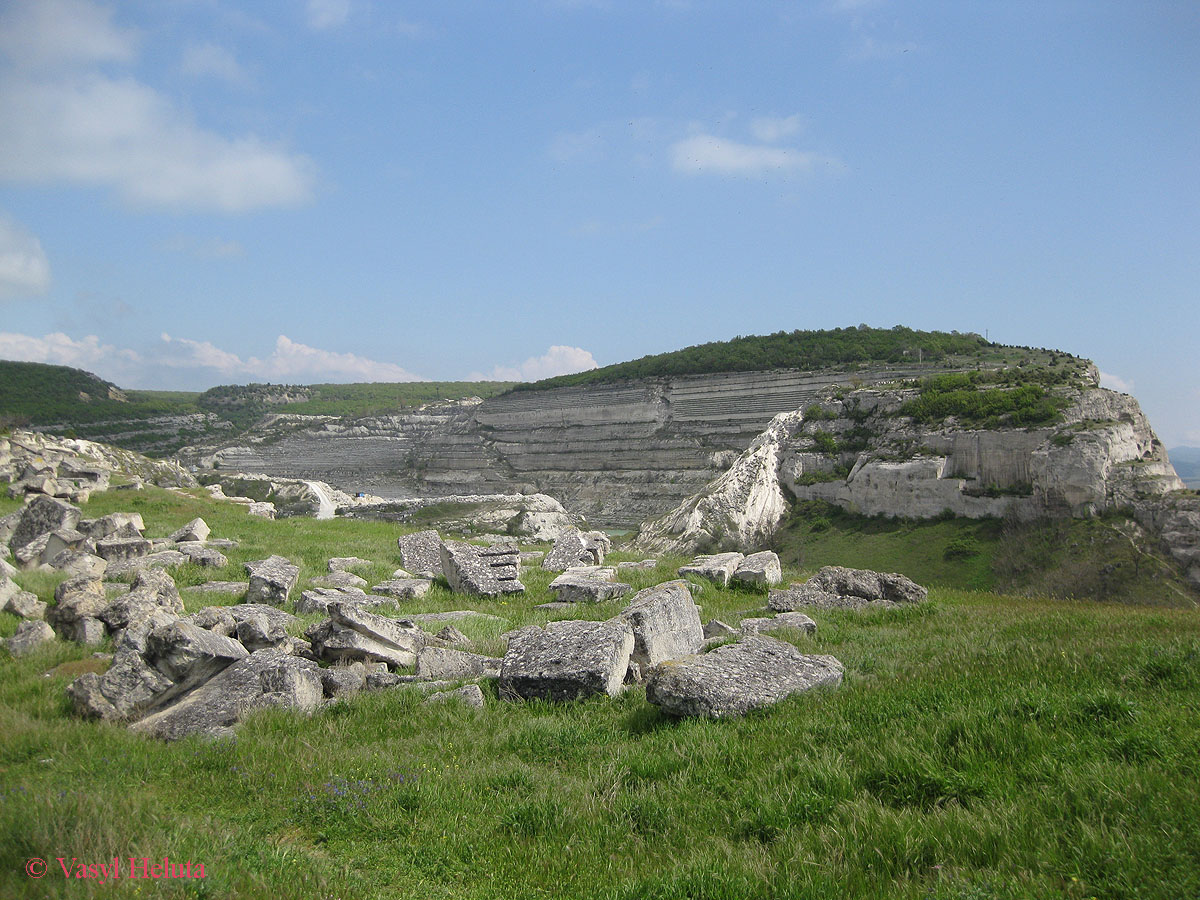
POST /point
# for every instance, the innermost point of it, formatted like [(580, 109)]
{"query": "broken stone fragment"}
[(339, 579), (29, 636), (588, 584), (195, 530), (566, 660), (483, 571), (469, 695), (796, 620), (440, 662), (717, 568), (271, 580), (835, 586), (403, 588), (665, 622), (351, 633), (759, 570), (734, 679), (421, 553)]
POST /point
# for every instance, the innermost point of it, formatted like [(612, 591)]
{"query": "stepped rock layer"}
[(614, 453)]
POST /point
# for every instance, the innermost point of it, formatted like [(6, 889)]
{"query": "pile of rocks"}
[(756, 570), (835, 587), (574, 548)]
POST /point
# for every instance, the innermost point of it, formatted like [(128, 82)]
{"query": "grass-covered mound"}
[(810, 349), (982, 746)]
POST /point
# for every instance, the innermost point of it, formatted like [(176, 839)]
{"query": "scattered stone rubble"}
[(835, 587)]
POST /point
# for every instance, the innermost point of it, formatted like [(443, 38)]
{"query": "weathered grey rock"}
[(453, 615), (570, 550), (79, 562), (121, 549), (202, 555), (340, 579), (195, 530), (345, 563), (717, 568), (78, 602), (42, 516), (759, 570), (566, 660), (835, 586), (453, 637), (136, 635), (734, 679), (796, 620), (421, 553), (351, 633), (152, 590), (271, 580), (129, 688), (261, 680), (65, 539), (8, 525), (403, 588), (440, 662), (114, 525), (588, 584), (165, 559), (532, 556), (30, 555), (641, 565), (24, 604), (262, 510), (665, 623), (84, 630), (318, 600), (188, 654), (483, 571), (29, 636), (718, 630), (469, 694), (257, 631), (221, 587), (342, 681)]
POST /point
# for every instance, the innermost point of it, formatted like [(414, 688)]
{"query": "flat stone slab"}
[(165, 559), (220, 587), (469, 695), (756, 672), (482, 571), (351, 633), (717, 568), (453, 615), (566, 661), (588, 584), (421, 553), (796, 620), (443, 662), (345, 563), (340, 579), (403, 588), (318, 600)]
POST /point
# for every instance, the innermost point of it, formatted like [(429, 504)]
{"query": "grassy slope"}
[(982, 746)]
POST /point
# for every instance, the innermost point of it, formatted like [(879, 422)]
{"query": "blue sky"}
[(198, 192)]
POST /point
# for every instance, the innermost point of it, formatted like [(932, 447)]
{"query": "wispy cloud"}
[(772, 129), (174, 359), (210, 60), (68, 120), (322, 14), (558, 360), (24, 269), (1115, 383), (707, 154)]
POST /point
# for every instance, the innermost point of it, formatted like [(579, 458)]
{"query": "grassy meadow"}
[(982, 746)]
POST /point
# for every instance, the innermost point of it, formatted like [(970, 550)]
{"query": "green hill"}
[(849, 347)]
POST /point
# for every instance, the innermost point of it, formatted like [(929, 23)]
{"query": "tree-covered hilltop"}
[(800, 349)]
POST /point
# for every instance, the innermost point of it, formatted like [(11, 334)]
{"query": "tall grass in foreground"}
[(982, 746)]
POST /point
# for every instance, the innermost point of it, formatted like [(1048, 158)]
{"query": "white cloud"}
[(24, 269), (204, 248), (67, 120), (324, 14), (1115, 383), (211, 60), (771, 129), (558, 360), (198, 362), (705, 154)]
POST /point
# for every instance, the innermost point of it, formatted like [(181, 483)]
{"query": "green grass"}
[(982, 746)]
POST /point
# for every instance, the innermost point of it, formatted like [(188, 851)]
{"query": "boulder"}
[(588, 584), (202, 555), (271, 580), (29, 636), (759, 570), (351, 633), (78, 603), (188, 654), (318, 600), (440, 662), (421, 553), (796, 620), (717, 568), (30, 555), (23, 604), (152, 590), (258, 631), (469, 695), (79, 562), (261, 680), (63, 540), (43, 515), (128, 688), (118, 524), (573, 548), (734, 679), (665, 623), (835, 586), (193, 531), (342, 681), (452, 636), (340, 579), (566, 660), (483, 571), (344, 563), (121, 549), (403, 588)]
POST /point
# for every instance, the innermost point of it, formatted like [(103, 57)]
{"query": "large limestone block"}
[(796, 620), (483, 571), (119, 524), (441, 662), (79, 562), (64, 540), (271, 580), (421, 553), (77, 598), (759, 570), (566, 660), (588, 584), (122, 549), (665, 622), (339, 579), (189, 654), (717, 568), (23, 604), (29, 636), (202, 555), (835, 586), (153, 589), (318, 600), (574, 548), (351, 633), (403, 588), (262, 680), (195, 530), (42, 516), (734, 679)]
